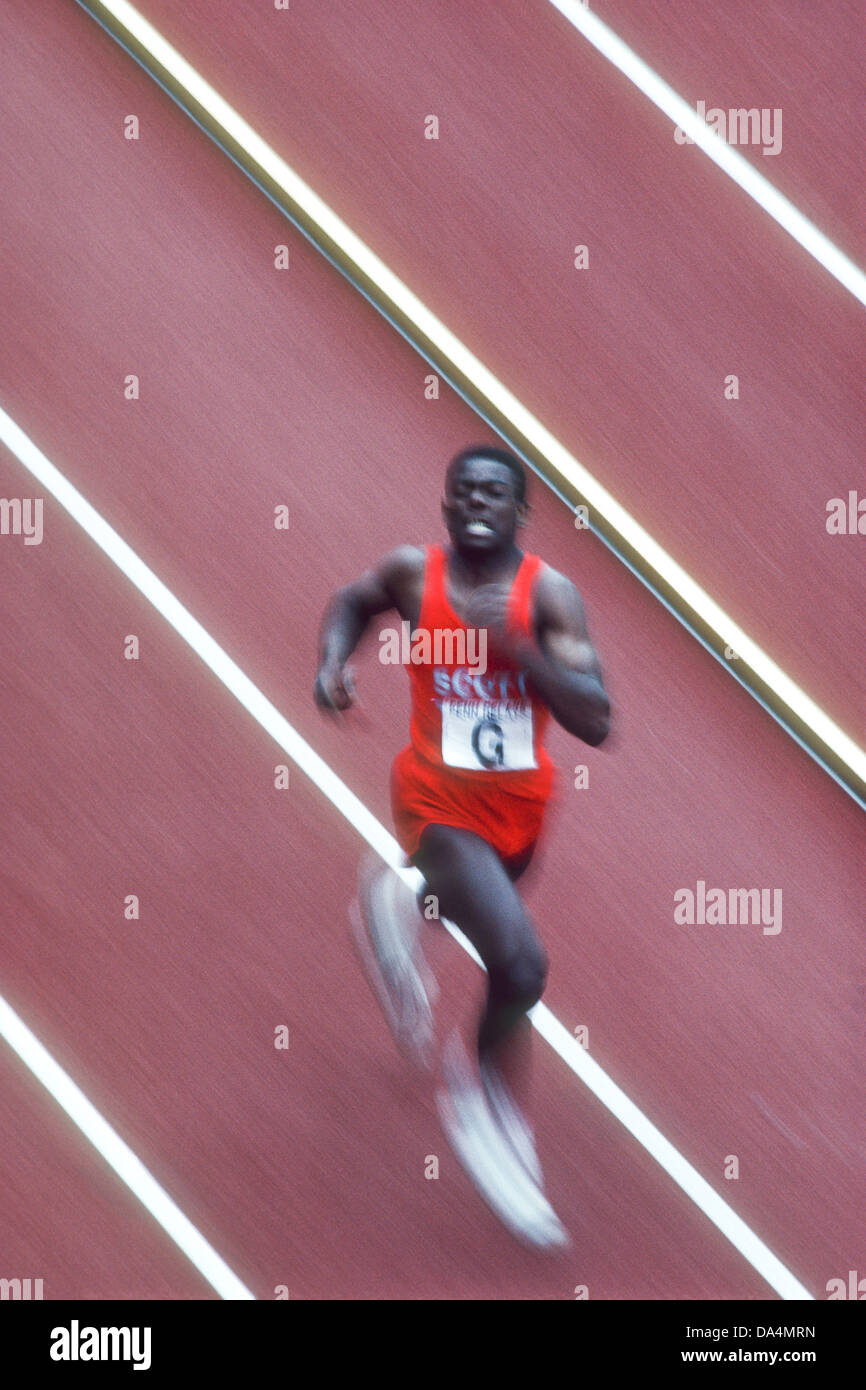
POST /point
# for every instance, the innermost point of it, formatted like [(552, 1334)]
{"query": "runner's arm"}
[(347, 616), (564, 667)]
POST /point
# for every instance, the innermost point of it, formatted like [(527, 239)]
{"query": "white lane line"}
[(735, 165), (119, 1156), (750, 1246)]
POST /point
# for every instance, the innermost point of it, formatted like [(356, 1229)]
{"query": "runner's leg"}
[(476, 891)]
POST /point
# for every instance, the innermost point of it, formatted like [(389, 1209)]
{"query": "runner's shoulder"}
[(552, 586), (556, 599), (402, 569), (403, 562)]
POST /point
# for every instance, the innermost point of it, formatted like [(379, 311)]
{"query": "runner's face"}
[(479, 506)]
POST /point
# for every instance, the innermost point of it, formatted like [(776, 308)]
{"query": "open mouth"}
[(479, 528)]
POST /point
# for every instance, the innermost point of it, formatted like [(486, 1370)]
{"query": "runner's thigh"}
[(475, 891)]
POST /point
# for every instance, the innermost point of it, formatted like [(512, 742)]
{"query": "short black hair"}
[(488, 451)]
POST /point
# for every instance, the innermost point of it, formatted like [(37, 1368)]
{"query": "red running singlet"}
[(476, 758)]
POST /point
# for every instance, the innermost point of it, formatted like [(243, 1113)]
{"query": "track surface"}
[(542, 147), (258, 387)]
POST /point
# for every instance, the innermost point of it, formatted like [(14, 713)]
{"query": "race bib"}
[(484, 736)]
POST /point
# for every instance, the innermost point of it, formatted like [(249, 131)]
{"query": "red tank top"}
[(476, 723)]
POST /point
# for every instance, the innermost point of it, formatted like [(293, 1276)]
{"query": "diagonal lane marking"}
[(728, 159)]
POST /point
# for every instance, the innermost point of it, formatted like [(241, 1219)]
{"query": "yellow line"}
[(507, 415)]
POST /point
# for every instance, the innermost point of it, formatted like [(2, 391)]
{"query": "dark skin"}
[(474, 886)]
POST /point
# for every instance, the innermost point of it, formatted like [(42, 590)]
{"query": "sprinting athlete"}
[(500, 643)]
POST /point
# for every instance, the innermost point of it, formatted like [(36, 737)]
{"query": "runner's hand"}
[(334, 690)]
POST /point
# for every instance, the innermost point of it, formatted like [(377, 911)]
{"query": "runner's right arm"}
[(346, 617)]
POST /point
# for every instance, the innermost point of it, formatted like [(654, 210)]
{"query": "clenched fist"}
[(335, 688)]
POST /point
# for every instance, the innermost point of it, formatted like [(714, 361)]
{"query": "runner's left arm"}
[(564, 668)]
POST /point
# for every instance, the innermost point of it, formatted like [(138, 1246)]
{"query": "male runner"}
[(469, 792)]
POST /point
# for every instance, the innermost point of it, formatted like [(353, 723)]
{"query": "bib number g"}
[(487, 737)]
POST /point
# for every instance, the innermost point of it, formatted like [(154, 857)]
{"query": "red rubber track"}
[(68, 1220), (306, 1167), (544, 146)]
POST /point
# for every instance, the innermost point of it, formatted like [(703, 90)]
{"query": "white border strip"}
[(268, 716), (735, 165), (119, 1156), (503, 401)]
